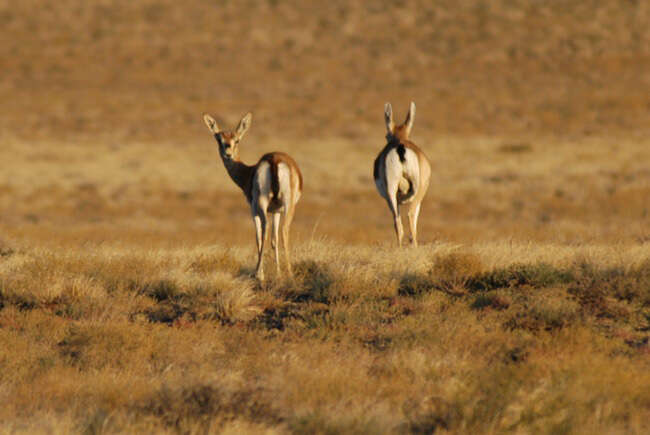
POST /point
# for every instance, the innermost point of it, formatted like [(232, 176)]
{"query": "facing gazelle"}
[(273, 185), (402, 172)]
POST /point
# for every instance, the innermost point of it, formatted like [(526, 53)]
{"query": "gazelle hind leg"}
[(392, 185), (397, 219), (275, 242), (288, 217), (414, 212), (260, 232)]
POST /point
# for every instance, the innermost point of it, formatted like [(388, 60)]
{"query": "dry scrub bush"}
[(452, 272), (202, 406), (546, 312), (593, 285)]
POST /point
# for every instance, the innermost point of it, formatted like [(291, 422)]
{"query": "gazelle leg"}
[(288, 217), (275, 242), (397, 219), (260, 232), (392, 185), (414, 211)]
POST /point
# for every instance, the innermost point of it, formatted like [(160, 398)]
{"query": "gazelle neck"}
[(240, 173)]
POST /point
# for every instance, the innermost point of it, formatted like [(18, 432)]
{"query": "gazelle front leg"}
[(260, 232), (275, 242), (414, 211)]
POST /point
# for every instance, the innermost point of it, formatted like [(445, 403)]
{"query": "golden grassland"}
[(128, 302), (482, 189), (484, 338), (127, 298)]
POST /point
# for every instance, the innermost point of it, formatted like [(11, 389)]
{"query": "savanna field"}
[(127, 297)]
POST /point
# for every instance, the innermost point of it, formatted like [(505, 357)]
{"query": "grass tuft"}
[(414, 284), (161, 290), (546, 314), (491, 300), (453, 272), (429, 415), (202, 406), (6, 249), (236, 303), (598, 289), (518, 275), (312, 282)]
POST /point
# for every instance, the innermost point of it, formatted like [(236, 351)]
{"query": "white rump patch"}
[(264, 188), (402, 177)]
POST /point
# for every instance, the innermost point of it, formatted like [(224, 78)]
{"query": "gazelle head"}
[(400, 131), (228, 140)]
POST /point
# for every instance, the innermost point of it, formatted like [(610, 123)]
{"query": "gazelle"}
[(402, 172), (272, 186)]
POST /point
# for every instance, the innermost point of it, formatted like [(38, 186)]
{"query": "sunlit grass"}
[(185, 339)]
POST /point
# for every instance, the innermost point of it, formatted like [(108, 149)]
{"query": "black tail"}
[(275, 178), (401, 152)]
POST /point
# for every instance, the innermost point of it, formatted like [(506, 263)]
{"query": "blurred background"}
[(533, 113)]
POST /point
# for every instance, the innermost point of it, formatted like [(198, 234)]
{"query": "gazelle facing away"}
[(402, 172), (272, 186)]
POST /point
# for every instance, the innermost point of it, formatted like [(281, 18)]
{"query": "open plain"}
[(127, 297)]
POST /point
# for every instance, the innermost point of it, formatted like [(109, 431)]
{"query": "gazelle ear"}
[(388, 117), (409, 118), (244, 125), (211, 123)]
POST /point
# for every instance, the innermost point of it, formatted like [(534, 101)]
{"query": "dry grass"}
[(363, 340), (127, 302)]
